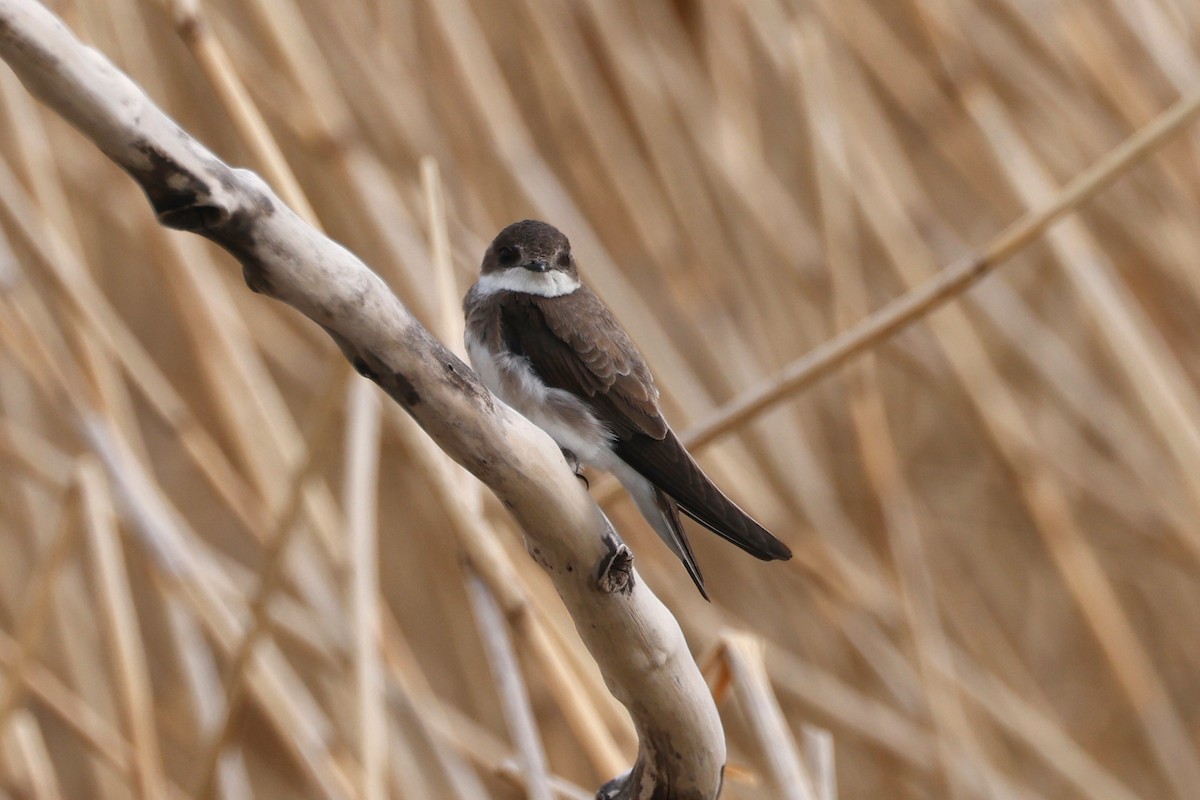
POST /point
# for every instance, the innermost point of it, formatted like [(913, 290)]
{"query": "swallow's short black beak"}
[(537, 266)]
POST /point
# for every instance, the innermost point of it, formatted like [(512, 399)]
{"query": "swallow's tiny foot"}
[(576, 467)]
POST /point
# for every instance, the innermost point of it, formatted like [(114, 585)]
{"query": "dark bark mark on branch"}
[(178, 195), (457, 375), (538, 556), (460, 377), (364, 369), (256, 278), (400, 388), (623, 786), (46, 61), (396, 384), (632, 784)]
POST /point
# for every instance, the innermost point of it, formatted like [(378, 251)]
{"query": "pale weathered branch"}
[(636, 642)]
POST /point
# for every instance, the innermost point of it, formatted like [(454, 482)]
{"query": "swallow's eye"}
[(507, 255), (564, 260)]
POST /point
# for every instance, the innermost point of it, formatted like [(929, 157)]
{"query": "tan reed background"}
[(997, 588)]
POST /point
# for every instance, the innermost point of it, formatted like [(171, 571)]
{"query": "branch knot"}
[(616, 569)]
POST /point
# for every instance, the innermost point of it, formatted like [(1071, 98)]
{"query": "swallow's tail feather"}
[(669, 467), (678, 541), (663, 515)]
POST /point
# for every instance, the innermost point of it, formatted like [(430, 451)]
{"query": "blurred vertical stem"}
[(361, 505), (507, 674)]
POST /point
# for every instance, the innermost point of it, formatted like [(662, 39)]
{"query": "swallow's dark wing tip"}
[(769, 549), (736, 526), (779, 551)]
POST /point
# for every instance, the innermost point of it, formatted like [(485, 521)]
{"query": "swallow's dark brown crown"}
[(534, 240)]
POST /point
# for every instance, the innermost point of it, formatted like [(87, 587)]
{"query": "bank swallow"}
[(546, 345)]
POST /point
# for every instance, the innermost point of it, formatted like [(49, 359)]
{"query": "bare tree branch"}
[(636, 642)]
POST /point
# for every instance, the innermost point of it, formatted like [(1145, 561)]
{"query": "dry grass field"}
[(995, 511)]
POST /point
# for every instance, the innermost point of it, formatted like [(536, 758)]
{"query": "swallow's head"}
[(531, 257)]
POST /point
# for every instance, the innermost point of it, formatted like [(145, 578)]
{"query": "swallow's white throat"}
[(554, 283)]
